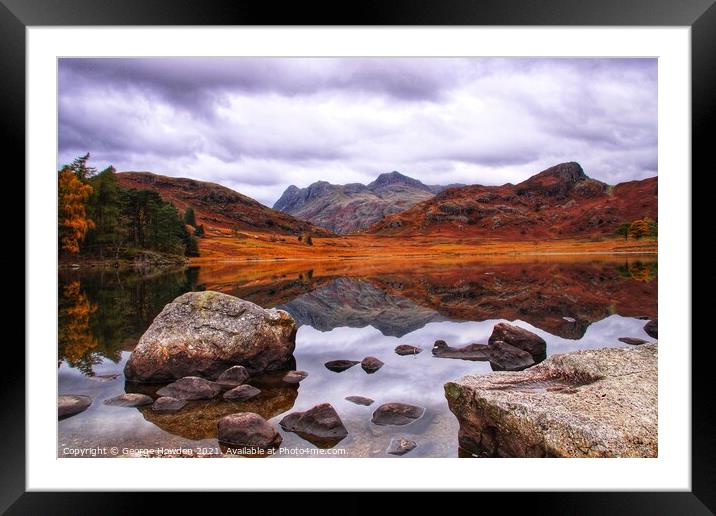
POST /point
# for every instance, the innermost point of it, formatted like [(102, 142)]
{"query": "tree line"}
[(638, 229), (99, 218)]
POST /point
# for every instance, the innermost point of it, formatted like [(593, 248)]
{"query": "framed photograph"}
[(413, 251)]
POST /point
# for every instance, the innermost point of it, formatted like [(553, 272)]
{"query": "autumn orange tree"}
[(72, 213), (640, 228)]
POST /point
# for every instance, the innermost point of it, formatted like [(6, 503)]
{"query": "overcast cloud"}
[(258, 125)]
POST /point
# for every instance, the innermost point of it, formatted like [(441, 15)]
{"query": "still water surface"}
[(345, 311)]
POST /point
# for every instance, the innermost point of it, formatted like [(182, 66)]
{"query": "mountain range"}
[(352, 207), (559, 202)]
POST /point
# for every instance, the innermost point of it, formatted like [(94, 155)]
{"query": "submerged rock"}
[(191, 388), (338, 366), (72, 404), (360, 400), (320, 425), (407, 349), (476, 352), (233, 376), (247, 429), (652, 328), (400, 446), (504, 357), (632, 340), (371, 364), (397, 414), (204, 333), (519, 338), (242, 392), (131, 399), (589, 403), (295, 376), (168, 404)]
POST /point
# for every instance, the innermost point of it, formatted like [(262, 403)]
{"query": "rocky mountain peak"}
[(395, 178)]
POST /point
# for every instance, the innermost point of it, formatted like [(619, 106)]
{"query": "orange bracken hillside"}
[(560, 202), (217, 206)]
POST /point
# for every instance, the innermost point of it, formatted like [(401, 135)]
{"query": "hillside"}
[(217, 206), (560, 202), (355, 206)]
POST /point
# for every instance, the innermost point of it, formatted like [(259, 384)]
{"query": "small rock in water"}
[(632, 341), (521, 339), (643, 317), (652, 328), (191, 388), (397, 414), (168, 404), (242, 392), (247, 429), (338, 366), (371, 364), (295, 376), (320, 425), (569, 319), (407, 349), (475, 352), (400, 446), (104, 377), (130, 399), (504, 357), (71, 404), (233, 376), (360, 400)]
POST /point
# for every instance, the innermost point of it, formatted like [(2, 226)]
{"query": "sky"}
[(258, 125)]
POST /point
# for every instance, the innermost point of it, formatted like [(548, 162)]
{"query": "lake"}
[(345, 309)]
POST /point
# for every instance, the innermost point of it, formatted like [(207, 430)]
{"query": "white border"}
[(670, 471)]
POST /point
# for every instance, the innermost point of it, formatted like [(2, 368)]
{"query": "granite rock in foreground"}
[(590, 403), (204, 333)]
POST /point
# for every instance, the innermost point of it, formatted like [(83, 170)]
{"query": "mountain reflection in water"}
[(346, 310)]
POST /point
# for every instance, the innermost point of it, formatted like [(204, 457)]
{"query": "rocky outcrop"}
[(320, 425), (191, 388), (589, 403), (398, 414), (71, 404), (247, 429), (204, 333)]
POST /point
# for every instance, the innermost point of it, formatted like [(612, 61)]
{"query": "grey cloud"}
[(262, 124)]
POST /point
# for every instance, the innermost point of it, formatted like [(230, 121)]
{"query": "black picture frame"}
[(700, 15)]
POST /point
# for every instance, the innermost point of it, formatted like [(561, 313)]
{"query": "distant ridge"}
[(354, 206)]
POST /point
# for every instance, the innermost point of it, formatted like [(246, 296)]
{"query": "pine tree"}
[(72, 214), (79, 166), (190, 216)]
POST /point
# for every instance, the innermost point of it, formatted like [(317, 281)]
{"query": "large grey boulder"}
[(589, 403), (71, 404), (204, 333)]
